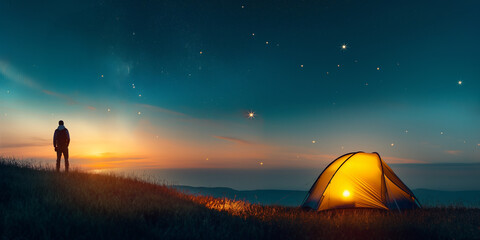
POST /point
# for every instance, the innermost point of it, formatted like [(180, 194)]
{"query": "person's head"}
[(60, 122)]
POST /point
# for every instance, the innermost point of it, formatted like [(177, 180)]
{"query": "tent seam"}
[(326, 186), (315, 183)]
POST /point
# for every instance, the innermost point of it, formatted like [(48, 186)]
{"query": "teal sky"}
[(170, 84)]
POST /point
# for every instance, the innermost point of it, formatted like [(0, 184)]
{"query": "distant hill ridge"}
[(293, 198)]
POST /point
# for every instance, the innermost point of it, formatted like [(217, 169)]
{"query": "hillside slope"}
[(48, 205), (42, 204)]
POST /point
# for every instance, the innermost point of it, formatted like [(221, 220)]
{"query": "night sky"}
[(171, 84)]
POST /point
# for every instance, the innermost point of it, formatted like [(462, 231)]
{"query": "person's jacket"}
[(61, 137)]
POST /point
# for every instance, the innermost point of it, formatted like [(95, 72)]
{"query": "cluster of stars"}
[(251, 114)]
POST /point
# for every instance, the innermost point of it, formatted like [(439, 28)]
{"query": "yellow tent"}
[(359, 180)]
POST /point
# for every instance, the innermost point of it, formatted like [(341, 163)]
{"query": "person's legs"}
[(65, 155), (59, 156)]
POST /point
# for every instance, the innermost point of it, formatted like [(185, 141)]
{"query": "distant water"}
[(292, 184), (447, 177), (427, 198), (240, 179)]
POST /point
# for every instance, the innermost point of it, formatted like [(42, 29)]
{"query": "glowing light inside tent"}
[(346, 193)]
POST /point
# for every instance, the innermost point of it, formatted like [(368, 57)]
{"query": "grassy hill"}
[(39, 203)]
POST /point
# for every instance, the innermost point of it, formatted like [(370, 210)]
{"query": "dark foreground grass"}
[(39, 203)]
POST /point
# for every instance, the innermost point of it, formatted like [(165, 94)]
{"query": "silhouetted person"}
[(61, 140)]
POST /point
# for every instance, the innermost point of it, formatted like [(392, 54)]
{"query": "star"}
[(261, 163), (133, 33), (460, 82), (251, 115), (253, 34), (301, 65), (102, 75), (139, 113), (108, 109), (243, 6), (344, 46), (206, 159), (441, 133), (392, 144), (139, 95), (201, 52), (338, 65), (133, 85), (313, 141), (406, 131), (378, 68), (366, 84), (266, 42)]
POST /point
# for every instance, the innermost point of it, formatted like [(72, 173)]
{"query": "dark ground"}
[(38, 203)]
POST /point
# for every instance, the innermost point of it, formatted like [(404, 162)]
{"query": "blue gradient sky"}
[(169, 84)]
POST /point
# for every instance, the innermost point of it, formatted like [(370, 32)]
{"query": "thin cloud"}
[(453, 152), (110, 157), (92, 108), (13, 74), (33, 142), (61, 96), (397, 160), (160, 109), (232, 139), (313, 157)]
